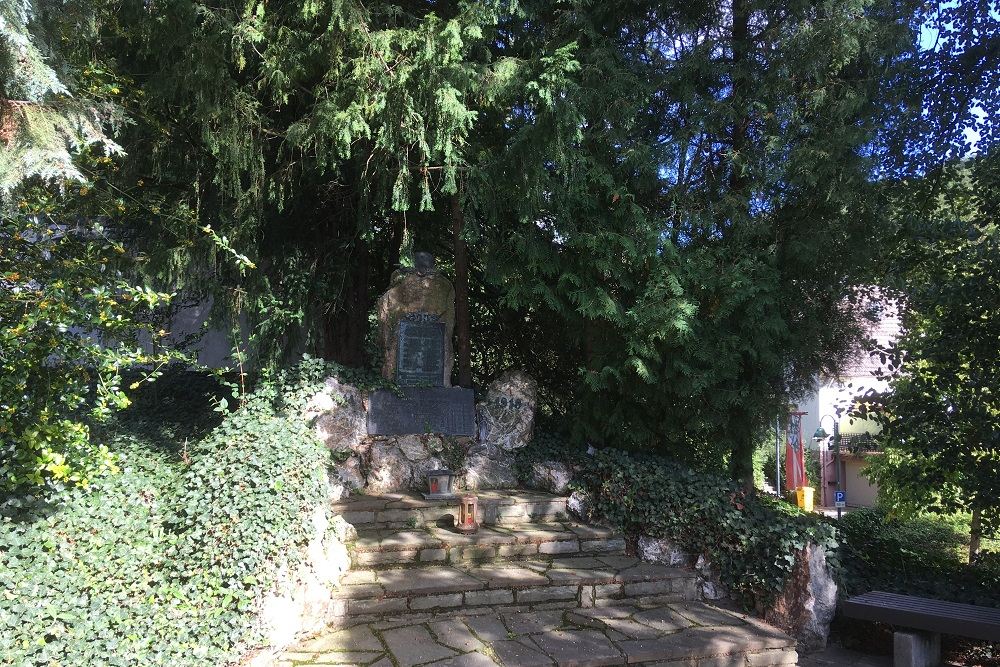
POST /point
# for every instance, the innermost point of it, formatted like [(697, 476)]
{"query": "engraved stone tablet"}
[(420, 361), (448, 411)]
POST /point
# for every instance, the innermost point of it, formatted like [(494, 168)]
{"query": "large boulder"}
[(425, 292), (551, 476), (808, 602), (581, 506), (663, 551), (488, 472), (347, 476), (388, 470), (338, 416), (506, 415), (712, 587), (506, 419)]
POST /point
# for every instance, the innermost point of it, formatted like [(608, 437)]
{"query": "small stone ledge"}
[(368, 516), (388, 547)]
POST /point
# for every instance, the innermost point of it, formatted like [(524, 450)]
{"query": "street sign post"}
[(840, 499)]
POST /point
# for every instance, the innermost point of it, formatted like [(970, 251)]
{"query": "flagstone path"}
[(683, 634)]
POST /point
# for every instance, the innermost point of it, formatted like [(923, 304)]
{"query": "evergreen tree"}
[(661, 208), (697, 240), (48, 111)]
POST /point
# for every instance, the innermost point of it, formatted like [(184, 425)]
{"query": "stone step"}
[(580, 581), (412, 510), (687, 634), (387, 547)]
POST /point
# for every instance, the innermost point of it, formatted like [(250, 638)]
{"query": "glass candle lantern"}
[(440, 483), (467, 509)]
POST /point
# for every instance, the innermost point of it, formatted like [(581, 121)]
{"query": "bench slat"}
[(952, 618), (879, 598)]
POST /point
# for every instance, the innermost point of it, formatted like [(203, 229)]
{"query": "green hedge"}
[(163, 563), (750, 539), (916, 556)]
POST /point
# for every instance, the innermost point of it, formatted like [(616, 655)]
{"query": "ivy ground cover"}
[(163, 562)]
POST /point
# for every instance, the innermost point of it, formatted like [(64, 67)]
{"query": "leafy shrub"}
[(164, 563), (752, 540), (69, 324), (915, 556)]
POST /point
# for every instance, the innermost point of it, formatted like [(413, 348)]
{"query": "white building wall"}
[(835, 398)]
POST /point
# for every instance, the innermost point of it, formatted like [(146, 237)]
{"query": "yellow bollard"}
[(804, 496)]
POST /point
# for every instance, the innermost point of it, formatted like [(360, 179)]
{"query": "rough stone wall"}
[(301, 599), (806, 607), (401, 462), (338, 417)]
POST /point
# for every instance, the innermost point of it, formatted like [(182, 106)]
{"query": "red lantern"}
[(467, 509)]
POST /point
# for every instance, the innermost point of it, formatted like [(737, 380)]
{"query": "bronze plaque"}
[(420, 357), (442, 410)]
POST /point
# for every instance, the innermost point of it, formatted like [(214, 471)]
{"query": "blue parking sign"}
[(840, 498)]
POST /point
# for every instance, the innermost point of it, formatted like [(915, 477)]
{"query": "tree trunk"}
[(463, 347), (738, 101), (741, 459), (975, 534), (346, 326), (395, 240)]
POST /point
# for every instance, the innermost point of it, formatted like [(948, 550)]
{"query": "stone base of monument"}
[(439, 410)]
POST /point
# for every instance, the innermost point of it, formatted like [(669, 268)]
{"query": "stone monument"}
[(416, 318), (388, 440), (416, 323)]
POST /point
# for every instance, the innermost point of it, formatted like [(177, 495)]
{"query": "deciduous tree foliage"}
[(941, 415), (70, 319)]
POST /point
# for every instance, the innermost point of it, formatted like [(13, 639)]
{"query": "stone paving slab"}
[(399, 583), (629, 634), (581, 581), (391, 539), (508, 576)]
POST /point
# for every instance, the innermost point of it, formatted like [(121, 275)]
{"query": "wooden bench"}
[(926, 620)]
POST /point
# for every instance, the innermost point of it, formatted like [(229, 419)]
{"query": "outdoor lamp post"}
[(820, 435)]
